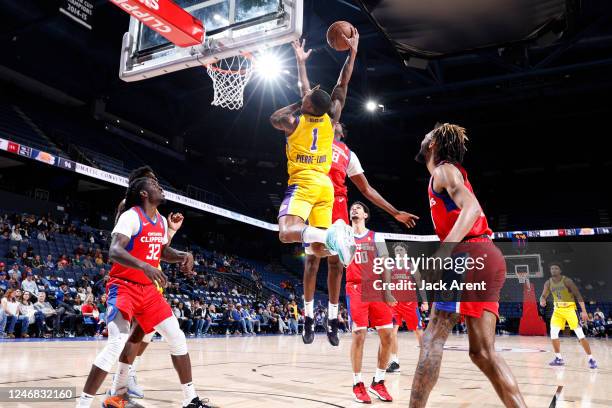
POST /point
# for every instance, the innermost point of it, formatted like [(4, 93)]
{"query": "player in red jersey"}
[(139, 243), (407, 307), (362, 311), (344, 163), (459, 221)]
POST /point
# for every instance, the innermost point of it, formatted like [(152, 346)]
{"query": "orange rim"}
[(213, 67)]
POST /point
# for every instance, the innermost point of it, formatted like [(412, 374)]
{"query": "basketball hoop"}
[(230, 76), (523, 278)]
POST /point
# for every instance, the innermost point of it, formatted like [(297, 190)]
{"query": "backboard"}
[(525, 263), (232, 27)]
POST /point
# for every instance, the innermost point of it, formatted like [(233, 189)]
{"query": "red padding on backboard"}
[(167, 19)]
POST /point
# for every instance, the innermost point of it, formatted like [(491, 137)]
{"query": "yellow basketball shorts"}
[(310, 196), (562, 315)]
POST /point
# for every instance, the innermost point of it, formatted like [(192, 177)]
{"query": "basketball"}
[(335, 34)]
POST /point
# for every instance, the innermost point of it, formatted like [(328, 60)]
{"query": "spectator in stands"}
[(10, 306), (12, 253), (42, 235), (77, 260), (250, 317), (245, 323), (49, 264), (26, 308), (2, 267), (342, 321), (65, 307), (5, 235), (293, 312), (276, 320), (28, 285), (88, 262), (202, 318), (599, 313), (16, 233), (79, 250), (90, 315), (179, 312), (81, 295), (102, 310), (100, 286), (320, 320), (45, 315), (84, 281), (37, 262), (4, 284), (62, 262)]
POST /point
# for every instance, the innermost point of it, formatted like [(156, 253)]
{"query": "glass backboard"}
[(232, 27)]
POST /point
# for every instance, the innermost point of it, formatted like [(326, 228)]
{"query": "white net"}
[(230, 76)]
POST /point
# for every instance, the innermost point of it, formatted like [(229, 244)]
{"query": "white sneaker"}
[(134, 390), (341, 239)]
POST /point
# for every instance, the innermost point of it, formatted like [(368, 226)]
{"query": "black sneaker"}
[(308, 333), (393, 367), (332, 332), (198, 403)]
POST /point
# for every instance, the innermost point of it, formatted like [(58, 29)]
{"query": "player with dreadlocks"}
[(139, 242), (139, 340), (462, 227)]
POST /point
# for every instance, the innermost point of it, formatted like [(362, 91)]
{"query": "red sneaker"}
[(379, 389), (361, 395)]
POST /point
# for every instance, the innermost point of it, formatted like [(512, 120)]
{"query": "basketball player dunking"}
[(407, 307), (344, 163), (565, 294), (458, 220), (364, 311), (139, 243), (310, 193)]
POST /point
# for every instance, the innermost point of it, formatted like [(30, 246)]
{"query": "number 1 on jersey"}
[(315, 135)]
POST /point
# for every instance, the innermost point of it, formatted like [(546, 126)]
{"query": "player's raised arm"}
[(284, 119), (117, 253), (338, 95), (448, 177), (301, 56), (545, 293)]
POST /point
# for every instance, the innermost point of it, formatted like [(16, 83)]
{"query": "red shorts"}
[(494, 274), (377, 314), (408, 312), (134, 300), (340, 210)]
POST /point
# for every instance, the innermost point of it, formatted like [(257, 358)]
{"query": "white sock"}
[(189, 393), (312, 234), (332, 311), (309, 308), (120, 380), (133, 367), (85, 400), (380, 374), (558, 355), (590, 357), (357, 378), (394, 358)]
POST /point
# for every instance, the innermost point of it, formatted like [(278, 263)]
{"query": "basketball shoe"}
[(557, 362), (308, 333), (341, 240), (379, 389), (198, 403), (592, 363), (332, 332), (361, 395), (393, 367), (120, 401)]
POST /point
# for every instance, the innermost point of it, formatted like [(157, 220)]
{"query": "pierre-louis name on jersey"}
[(309, 147)]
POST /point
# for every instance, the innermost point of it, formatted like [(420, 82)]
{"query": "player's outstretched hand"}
[(409, 220), (155, 275), (352, 42), (389, 299), (543, 302), (175, 221), (424, 306), (584, 316), (187, 263), (300, 54)]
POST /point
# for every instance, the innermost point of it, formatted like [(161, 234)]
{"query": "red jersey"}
[(362, 266), (444, 212), (341, 156), (145, 244)]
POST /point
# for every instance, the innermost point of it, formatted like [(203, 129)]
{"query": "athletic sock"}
[(120, 380), (332, 311), (394, 358), (85, 400), (558, 355), (309, 309), (133, 367), (312, 234), (189, 393), (380, 374), (357, 378)]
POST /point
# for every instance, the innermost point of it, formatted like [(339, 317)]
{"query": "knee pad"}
[(110, 354), (579, 333), (174, 336), (554, 332), (148, 337)]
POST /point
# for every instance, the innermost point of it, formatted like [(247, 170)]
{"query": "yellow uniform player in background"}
[(565, 295)]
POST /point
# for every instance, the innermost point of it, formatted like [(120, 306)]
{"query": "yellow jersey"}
[(561, 294), (309, 147)]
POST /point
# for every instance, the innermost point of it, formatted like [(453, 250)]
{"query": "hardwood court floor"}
[(280, 371)]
